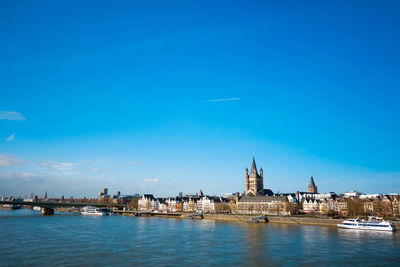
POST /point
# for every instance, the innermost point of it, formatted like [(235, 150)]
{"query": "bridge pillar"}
[(47, 211)]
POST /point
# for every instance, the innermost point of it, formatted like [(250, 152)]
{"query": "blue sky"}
[(163, 97)]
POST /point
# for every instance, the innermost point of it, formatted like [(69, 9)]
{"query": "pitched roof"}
[(150, 196), (263, 199)]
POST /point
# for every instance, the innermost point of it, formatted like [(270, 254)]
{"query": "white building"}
[(205, 204), (190, 205), (351, 193), (311, 206), (306, 195), (368, 196), (171, 203), (146, 202)]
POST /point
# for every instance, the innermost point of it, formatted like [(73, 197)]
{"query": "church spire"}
[(312, 188), (312, 182), (253, 166)]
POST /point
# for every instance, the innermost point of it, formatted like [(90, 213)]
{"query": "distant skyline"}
[(167, 97)]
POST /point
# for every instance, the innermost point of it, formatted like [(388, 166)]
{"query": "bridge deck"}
[(53, 205)]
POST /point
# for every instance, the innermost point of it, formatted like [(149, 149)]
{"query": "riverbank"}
[(274, 219), (271, 219)]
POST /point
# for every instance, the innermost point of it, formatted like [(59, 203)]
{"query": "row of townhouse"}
[(267, 205), (205, 204), (384, 205), (323, 206), (284, 204), (149, 202)]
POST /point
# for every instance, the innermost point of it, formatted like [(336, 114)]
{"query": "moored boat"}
[(11, 206), (89, 210), (37, 208), (372, 224)]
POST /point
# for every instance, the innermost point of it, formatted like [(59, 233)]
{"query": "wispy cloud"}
[(223, 99), (7, 160), (133, 162), (11, 115), (10, 138), (60, 166), (94, 169), (151, 180), (24, 176)]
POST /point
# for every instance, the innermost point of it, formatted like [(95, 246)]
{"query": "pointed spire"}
[(201, 193), (312, 188), (253, 166), (312, 182)]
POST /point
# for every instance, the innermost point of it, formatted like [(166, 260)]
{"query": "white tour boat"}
[(88, 210), (372, 224), (11, 206)]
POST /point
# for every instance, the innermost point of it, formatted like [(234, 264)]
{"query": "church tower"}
[(312, 188), (254, 182), (247, 186)]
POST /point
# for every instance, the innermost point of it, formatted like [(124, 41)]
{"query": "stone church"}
[(255, 182), (258, 200)]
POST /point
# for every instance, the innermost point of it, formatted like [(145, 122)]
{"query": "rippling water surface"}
[(27, 238)]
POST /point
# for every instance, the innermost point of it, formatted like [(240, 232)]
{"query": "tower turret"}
[(246, 188)]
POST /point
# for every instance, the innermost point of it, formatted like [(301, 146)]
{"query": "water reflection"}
[(19, 212), (120, 240), (355, 234), (206, 224)]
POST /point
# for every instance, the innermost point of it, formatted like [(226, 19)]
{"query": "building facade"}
[(268, 205), (396, 205)]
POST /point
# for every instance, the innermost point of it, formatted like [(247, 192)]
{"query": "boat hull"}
[(369, 228), (94, 213), (36, 208)]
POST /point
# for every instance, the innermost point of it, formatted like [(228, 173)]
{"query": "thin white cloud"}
[(60, 166), (134, 163), (10, 138), (7, 160), (151, 180), (24, 176), (94, 169), (11, 115), (223, 100)]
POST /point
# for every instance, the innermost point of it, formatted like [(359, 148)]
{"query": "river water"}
[(28, 239)]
